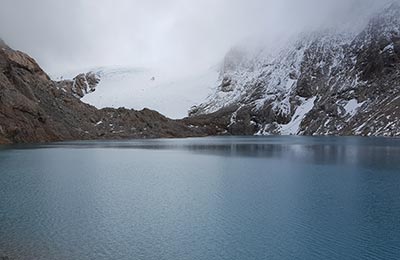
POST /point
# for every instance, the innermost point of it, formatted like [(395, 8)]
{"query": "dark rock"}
[(326, 83)]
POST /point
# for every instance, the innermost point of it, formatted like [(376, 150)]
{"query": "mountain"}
[(33, 108), (140, 88), (323, 83)]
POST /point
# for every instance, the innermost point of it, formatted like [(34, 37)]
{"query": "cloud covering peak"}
[(181, 35)]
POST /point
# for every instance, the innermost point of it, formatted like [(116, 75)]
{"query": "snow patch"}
[(138, 88), (389, 47), (293, 127), (352, 107)]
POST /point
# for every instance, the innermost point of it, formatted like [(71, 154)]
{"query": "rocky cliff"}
[(324, 83), (34, 108), (81, 85)]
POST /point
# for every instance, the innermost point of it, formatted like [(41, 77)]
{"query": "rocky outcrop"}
[(324, 83), (81, 85), (34, 108)]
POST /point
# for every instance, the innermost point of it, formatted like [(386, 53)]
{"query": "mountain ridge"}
[(35, 109), (324, 83), (353, 79)]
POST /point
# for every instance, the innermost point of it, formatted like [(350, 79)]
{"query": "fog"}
[(179, 35)]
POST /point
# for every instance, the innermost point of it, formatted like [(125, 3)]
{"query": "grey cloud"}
[(180, 34)]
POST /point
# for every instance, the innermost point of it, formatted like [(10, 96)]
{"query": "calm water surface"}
[(201, 199)]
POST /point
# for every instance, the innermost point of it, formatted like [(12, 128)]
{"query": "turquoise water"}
[(213, 198)]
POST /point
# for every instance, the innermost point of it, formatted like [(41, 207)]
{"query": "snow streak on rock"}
[(329, 82)]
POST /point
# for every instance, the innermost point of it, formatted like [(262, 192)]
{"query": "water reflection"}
[(211, 198), (315, 150)]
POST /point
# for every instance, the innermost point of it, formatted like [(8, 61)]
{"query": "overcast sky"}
[(65, 35)]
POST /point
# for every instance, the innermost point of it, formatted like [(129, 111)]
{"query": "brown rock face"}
[(33, 108)]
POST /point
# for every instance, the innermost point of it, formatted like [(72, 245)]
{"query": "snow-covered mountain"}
[(140, 88), (332, 82), (329, 82)]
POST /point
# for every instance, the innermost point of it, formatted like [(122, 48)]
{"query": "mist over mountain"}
[(179, 37), (326, 82), (199, 129), (241, 68)]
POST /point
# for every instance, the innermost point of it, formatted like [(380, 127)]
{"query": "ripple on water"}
[(212, 198)]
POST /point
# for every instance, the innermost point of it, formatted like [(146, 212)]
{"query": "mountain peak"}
[(388, 16), (322, 82)]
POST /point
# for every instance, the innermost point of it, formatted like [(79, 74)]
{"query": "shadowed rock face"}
[(34, 108), (325, 83)]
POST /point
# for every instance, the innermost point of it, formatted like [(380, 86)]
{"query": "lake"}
[(201, 199)]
